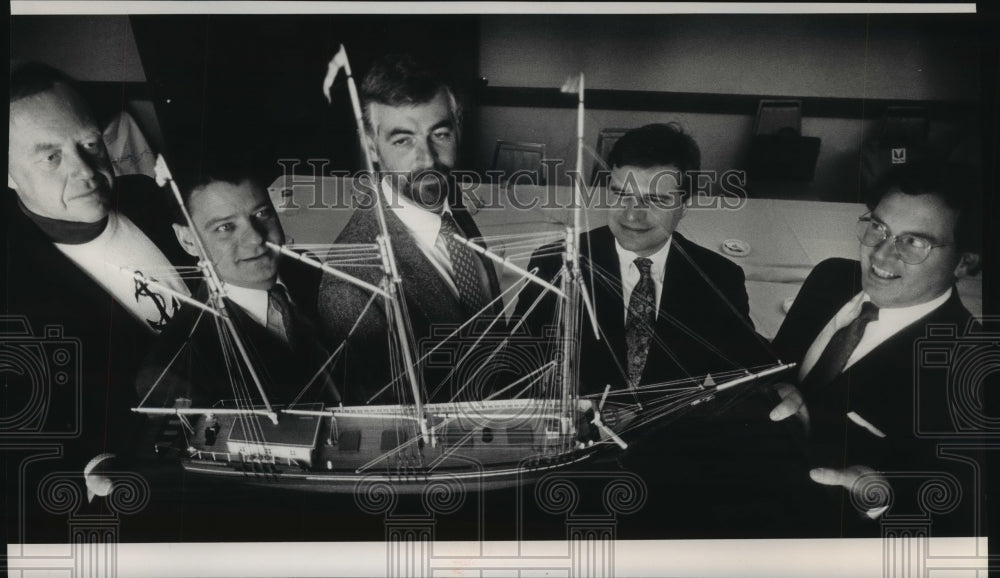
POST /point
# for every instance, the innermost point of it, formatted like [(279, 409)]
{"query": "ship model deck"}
[(488, 444)]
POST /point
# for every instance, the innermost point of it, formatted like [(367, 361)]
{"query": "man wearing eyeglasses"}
[(854, 328)]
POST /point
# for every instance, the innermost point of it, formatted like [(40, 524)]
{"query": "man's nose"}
[(425, 157), (253, 236), (634, 210), (885, 250), (81, 163)]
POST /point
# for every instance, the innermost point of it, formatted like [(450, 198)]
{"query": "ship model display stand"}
[(502, 441)]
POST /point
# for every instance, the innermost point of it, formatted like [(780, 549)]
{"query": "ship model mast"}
[(217, 294), (392, 283)]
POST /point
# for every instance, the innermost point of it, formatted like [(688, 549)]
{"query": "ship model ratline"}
[(482, 444)]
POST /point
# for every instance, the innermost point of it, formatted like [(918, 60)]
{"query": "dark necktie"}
[(639, 323), (463, 263), (279, 314), (843, 343)]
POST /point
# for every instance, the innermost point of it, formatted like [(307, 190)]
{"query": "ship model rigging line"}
[(483, 444)]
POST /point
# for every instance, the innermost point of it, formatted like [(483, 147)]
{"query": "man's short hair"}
[(223, 167), (400, 80), (958, 186), (31, 78), (658, 145)]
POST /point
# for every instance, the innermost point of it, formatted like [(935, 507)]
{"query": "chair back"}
[(606, 140), (774, 116), (521, 160)]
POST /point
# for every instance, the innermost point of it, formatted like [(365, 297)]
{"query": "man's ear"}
[(968, 265), (372, 149), (186, 239), (10, 182)]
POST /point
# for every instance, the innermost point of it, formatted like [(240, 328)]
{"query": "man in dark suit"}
[(413, 122), (670, 313), (270, 300), (75, 236), (856, 329), (668, 310)]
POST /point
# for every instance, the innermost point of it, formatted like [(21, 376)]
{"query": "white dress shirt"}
[(253, 301), (424, 226), (891, 320), (630, 273)]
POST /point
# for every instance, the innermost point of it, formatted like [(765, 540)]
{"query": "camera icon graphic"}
[(953, 373), (41, 376)]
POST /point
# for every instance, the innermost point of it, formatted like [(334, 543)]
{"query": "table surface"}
[(787, 238)]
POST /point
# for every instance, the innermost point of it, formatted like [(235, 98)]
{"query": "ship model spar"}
[(483, 444)]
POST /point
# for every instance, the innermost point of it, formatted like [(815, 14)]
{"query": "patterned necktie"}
[(463, 262), (843, 343), (639, 323), (279, 313)]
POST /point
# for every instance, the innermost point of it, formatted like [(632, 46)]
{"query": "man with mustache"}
[(855, 329), (413, 121)]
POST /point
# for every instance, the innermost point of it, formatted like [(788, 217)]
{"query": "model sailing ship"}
[(484, 444)]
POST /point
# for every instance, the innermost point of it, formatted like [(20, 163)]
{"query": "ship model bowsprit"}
[(507, 438)]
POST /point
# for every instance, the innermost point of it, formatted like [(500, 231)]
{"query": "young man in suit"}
[(670, 313), (855, 328), (413, 121), (270, 300), (75, 236), (668, 310)]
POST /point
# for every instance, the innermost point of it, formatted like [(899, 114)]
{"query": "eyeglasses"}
[(912, 249)]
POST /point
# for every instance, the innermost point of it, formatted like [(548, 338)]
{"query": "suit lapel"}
[(423, 285), (881, 386), (471, 231), (677, 272), (901, 344), (608, 297)]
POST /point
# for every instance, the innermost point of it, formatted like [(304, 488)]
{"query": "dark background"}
[(255, 82)]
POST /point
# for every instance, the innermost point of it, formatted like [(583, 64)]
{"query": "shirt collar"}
[(901, 316), (67, 232), (627, 258), (424, 225), (253, 301)]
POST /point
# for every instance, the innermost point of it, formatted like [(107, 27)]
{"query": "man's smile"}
[(883, 274)]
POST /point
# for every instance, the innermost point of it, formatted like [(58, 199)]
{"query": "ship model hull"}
[(481, 445)]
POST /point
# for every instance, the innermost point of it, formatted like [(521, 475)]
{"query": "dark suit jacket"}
[(882, 387), (199, 372), (364, 367), (704, 305), (53, 307), (48, 289)]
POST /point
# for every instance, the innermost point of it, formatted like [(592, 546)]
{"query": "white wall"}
[(882, 57), (830, 56)]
